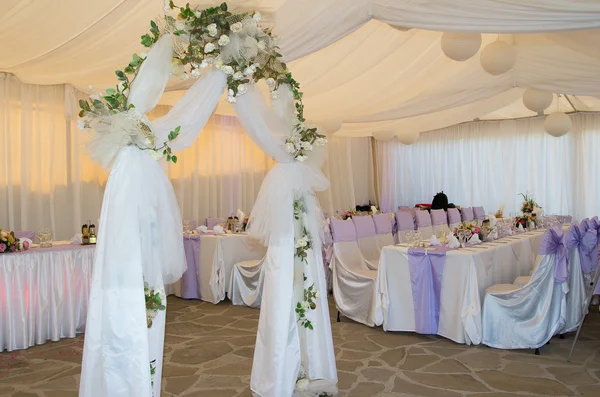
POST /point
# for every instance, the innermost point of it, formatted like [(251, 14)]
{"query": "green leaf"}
[(153, 25), (81, 112), (223, 6), (147, 40), (174, 159), (111, 91), (120, 75), (168, 157)]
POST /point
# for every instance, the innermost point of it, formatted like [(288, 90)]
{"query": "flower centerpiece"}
[(524, 220), (10, 243), (347, 214), (467, 230), (529, 206)]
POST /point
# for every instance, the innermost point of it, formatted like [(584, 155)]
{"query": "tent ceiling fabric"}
[(353, 66)]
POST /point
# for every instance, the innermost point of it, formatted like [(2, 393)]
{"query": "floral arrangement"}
[(207, 38), (524, 220), (303, 244), (347, 214), (529, 205), (154, 303), (468, 229), (10, 243)]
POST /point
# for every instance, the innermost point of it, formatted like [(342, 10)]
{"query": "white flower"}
[(203, 64), (196, 73), (236, 27), (224, 40), (121, 86), (231, 99), (256, 16), (143, 55), (180, 26), (241, 89), (249, 71), (155, 154), (321, 142), (301, 243), (209, 47), (316, 294), (270, 82), (537, 210), (198, 14), (218, 63), (212, 29), (301, 158), (228, 70), (295, 138), (230, 92), (238, 75), (82, 125), (289, 147), (262, 45), (274, 95), (306, 146)]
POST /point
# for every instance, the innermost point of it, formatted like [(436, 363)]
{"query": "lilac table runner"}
[(426, 271)]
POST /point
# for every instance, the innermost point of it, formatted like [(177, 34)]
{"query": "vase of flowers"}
[(529, 206)]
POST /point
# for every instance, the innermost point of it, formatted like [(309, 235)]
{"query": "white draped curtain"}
[(488, 163), (48, 181)]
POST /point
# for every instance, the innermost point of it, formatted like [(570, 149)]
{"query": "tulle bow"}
[(554, 244), (584, 242)]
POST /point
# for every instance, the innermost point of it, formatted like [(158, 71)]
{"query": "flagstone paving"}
[(209, 349)]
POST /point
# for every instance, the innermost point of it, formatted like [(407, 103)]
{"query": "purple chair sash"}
[(554, 243), (585, 244), (423, 219), (383, 224), (25, 234), (439, 217), (479, 213), (405, 221), (364, 226), (467, 214), (585, 225), (212, 222), (342, 230), (453, 216), (426, 272)]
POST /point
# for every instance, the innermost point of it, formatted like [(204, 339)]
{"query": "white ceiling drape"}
[(352, 65)]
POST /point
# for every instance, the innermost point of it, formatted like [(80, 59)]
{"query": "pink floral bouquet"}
[(467, 229), (9, 243)]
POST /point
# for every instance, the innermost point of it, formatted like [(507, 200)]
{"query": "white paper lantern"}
[(383, 135), (497, 58), (408, 138), (537, 101), (460, 46), (558, 124)]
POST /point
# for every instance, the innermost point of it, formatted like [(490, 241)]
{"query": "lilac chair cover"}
[(423, 219), (585, 225), (453, 216), (212, 222), (404, 221), (554, 243), (342, 230), (479, 213), (383, 224), (584, 242), (364, 226), (25, 234), (467, 214), (426, 271), (439, 217)]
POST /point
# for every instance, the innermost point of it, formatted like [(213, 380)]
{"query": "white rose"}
[(274, 95), (196, 73), (231, 99), (262, 45), (224, 40), (301, 158), (256, 16), (209, 47), (143, 55), (212, 29), (230, 92), (242, 89), (236, 27), (270, 82), (289, 147), (316, 294), (301, 243), (82, 125), (249, 71), (180, 26), (218, 63), (198, 14), (238, 75), (302, 384), (306, 146), (321, 142), (228, 70), (155, 154), (305, 305), (203, 64)]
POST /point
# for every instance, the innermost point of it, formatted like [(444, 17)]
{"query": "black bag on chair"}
[(440, 202)]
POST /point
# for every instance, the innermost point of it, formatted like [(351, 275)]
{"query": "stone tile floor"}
[(209, 348)]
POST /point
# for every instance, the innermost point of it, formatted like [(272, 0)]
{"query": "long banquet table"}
[(466, 275)]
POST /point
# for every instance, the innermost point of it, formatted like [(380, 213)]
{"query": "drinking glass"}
[(408, 237), (45, 237)]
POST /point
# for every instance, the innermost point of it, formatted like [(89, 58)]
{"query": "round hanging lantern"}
[(537, 101), (383, 135), (460, 46), (330, 126), (408, 138), (558, 124), (497, 58)]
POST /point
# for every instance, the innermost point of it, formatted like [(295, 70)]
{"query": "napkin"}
[(218, 230), (202, 229), (474, 240), (492, 219), (77, 239), (434, 241), (452, 242), (374, 209), (241, 216), (520, 228)]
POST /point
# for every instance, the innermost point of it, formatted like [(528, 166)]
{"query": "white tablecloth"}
[(44, 294), (466, 275)]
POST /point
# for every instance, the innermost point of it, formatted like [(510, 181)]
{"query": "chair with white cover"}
[(479, 215), (353, 282), (210, 223), (439, 221), (524, 280), (527, 317), (424, 224), (467, 214), (246, 283), (384, 228), (404, 223), (454, 218), (582, 258), (367, 240)]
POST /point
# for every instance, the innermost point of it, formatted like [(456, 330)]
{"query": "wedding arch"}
[(230, 52)]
